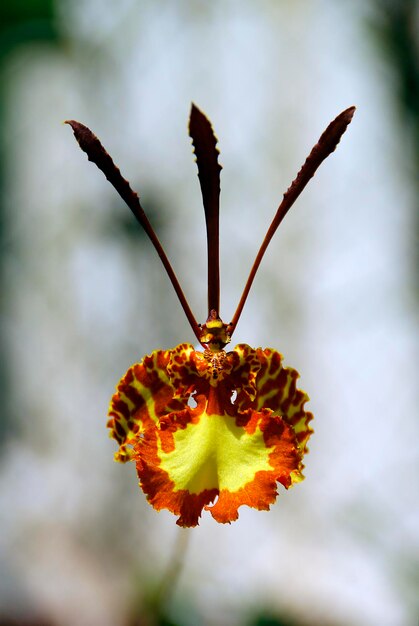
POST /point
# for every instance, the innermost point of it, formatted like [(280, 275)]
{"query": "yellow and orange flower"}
[(211, 429), (246, 432)]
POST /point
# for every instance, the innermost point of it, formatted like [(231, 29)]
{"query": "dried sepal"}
[(96, 153), (205, 147), (324, 147), (204, 143)]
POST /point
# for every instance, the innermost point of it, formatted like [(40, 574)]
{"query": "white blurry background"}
[(86, 297)]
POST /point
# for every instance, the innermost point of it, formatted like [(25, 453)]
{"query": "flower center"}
[(214, 335)]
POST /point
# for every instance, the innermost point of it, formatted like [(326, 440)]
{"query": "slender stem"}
[(205, 147), (96, 153), (172, 574), (325, 146)]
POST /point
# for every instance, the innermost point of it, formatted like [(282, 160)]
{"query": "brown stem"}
[(324, 147), (96, 153), (205, 147)]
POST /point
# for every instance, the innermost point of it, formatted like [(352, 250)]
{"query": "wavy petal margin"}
[(247, 432)]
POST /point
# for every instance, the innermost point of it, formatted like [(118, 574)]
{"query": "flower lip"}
[(233, 450), (214, 333)]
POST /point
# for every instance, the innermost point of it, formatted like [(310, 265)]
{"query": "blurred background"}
[(83, 296)]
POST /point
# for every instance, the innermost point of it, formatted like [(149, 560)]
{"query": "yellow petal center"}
[(215, 453)]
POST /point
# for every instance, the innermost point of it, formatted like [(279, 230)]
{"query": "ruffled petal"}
[(247, 432), (143, 395), (195, 456), (277, 390)]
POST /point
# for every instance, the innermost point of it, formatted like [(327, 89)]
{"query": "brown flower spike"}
[(211, 429)]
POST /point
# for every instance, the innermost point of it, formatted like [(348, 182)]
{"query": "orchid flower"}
[(209, 428)]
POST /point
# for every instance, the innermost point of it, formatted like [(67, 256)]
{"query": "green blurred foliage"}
[(396, 29), (22, 21)]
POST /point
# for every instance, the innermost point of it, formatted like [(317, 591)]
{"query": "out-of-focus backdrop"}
[(83, 296)]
